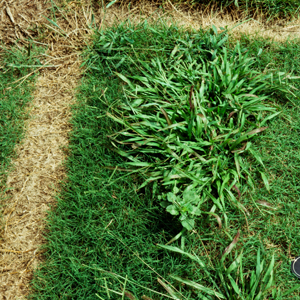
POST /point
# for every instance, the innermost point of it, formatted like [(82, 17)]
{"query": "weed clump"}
[(188, 117)]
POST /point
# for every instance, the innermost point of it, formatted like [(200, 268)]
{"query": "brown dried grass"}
[(35, 179), (19, 19), (38, 168)]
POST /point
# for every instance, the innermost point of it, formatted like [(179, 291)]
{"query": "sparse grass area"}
[(14, 97), (103, 224), (270, 9), (267, 10)]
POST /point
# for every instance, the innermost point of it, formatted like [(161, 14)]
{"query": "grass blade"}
[(229, 248), (198, 287)]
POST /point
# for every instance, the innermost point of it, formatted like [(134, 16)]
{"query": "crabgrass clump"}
[(188, 118)]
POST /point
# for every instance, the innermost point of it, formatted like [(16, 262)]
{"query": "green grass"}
[(103, 224), (13, 100)]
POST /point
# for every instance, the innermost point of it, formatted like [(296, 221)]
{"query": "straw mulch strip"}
[(37, 172), (38, 168)]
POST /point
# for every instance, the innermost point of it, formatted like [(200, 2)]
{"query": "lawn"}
[(104, 234)]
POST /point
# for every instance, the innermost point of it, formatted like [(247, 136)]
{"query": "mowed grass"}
[(275, 225), (103, 227), (14, 96)]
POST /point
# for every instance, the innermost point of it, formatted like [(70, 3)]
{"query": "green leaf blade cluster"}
[(189, 116)]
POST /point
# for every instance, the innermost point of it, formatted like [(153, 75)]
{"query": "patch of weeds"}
[(188, 118)]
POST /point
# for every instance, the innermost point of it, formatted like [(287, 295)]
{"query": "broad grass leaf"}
[(214, 29), (265, 203), (246, 135), (146, 298), (234, 285), (217, 218), (125, 79), (270, 117), (236, 202), (180, 125), (120, 63), (256, 156), (178, 250), (253, 284), (216, 202), (258, 130), (198, 287), (270, 270), (229, 248), (241, 273), (148, 181), (259, 266), (166, 116), (237, 189), (139, 164), (129, 295), (169, 290), (221, 42), (237, 164), (265, 180), (235, 264), (111, 3), (240, 150), (54, 23), (115, 118)]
